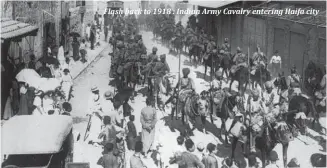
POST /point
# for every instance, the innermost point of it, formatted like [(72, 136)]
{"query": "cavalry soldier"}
[(141, 49), (153, 54), (255, 109), (217, 92), (187, 87), (271, 98), (240, 60), (226, 46), (258, 58), (294, 83)]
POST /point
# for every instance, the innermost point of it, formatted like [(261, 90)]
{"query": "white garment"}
[(82, 46), (48, 104), (179, 149), (61, 55), (276, 59), (67, 83), (38, 103), (198, 154), (107, 107), (267, 96), (216, 84), (57, 74), (87, 31), (118, 115), (94, 104)]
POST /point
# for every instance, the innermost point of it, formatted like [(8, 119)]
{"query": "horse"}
[(227, 105), (312, 76), (303, 104), (242, 76), (177, 43), (195, 51), (225, 62), (210, 61), (261, 76), (132, 74), (193, 107), (277, 132)]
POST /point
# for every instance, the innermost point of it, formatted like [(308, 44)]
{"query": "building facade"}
[(298, 39)]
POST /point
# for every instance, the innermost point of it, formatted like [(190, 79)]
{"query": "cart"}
[(37, 141)]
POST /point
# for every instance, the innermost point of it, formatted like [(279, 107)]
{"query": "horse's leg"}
[(285, 148), (203, 120), (230, 85), (263, 157), (234, 143)]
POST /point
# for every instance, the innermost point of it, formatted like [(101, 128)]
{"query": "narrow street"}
[(98, 74)]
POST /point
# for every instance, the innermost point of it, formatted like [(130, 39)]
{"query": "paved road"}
[(98, 74)]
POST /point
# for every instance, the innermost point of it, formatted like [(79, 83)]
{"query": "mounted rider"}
[(240, 60), (259, 59), (255, 108), (187, 87), (211, 48), (294, 83), (226, 46), (218, 94), (153, 54), (271, 98)]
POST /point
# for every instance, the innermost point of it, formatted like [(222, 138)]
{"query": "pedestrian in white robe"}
[(61, 55), (95, 110), (38, 104), (148, 121), (67, 83)]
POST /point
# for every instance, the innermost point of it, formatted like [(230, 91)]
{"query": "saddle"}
[(183, 94)]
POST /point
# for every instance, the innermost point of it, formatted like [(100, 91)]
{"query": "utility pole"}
[(13, 3), (57, 22)]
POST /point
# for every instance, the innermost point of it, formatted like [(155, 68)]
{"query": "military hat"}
[(218, 74), (154, 49), (268, 85), (186, 71), (255, 92), (226, 40)]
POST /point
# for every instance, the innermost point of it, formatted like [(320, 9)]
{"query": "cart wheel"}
[(86, 135)]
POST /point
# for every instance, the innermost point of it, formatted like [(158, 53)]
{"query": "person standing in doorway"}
[(276, 63)]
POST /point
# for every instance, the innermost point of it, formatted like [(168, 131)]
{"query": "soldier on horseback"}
[(255, 109), (226, 46), (153, 54), (294, 83), (259, 59), (187, 87), (271, 99), (240, 60), (218, 93)]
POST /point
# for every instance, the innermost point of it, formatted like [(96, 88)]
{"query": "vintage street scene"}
[(163, 84)]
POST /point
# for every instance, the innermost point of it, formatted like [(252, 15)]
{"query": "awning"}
[(211, 3), (14, 29)]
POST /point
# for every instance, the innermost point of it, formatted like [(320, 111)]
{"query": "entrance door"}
[(297, 48), (279, 45)]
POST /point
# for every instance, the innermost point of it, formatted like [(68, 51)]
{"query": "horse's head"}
[(297, 114)]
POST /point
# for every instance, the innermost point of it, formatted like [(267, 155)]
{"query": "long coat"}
[(148, 121)]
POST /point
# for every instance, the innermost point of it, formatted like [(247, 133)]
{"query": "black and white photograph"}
[(163, 84)]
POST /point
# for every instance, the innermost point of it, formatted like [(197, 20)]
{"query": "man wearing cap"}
[(240, 60), (200, 153), (259, 58), (66, 83), (153, 54), (294, 83), (255, 107)]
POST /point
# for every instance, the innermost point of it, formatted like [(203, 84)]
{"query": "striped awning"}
[(11, 29)]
